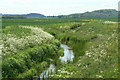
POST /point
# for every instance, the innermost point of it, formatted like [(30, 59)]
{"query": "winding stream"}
[(68, 56), (49, 71)]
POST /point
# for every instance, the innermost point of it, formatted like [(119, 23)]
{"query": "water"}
[(46, 73), (68, 56)]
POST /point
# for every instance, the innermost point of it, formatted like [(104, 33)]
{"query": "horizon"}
[(55, 8), (55, 15)]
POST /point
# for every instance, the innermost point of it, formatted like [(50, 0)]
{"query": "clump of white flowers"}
[(12, 44), (110, 22)]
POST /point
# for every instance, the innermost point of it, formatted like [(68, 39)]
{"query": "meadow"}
[(30, 45)]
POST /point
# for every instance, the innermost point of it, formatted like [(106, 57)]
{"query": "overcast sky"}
[(54, 7)]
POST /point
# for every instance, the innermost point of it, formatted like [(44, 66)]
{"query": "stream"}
[(68, 56)]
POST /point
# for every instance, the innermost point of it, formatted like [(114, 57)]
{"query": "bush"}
[(75, 26), (28, 74), (23, 64)]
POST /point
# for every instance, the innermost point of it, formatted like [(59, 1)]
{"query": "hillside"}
[(35, 15), (94, 14), (30, 15)]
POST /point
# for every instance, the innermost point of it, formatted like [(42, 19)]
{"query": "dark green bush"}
[(75, 26), (23, 63)]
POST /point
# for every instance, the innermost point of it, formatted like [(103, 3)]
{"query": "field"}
[(30, 45)]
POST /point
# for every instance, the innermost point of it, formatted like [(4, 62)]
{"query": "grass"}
[(18, 31), (93, 41)]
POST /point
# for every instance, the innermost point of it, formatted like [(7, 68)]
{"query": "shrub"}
[(23, 63), (75, 26)]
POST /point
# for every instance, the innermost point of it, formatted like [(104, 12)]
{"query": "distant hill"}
[(31, 15), (93, 14), (34, 15)]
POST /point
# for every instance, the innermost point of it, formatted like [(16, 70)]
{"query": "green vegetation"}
[(93, 41), (18, 31), (27, 51), (31, 61), (47, 22)]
